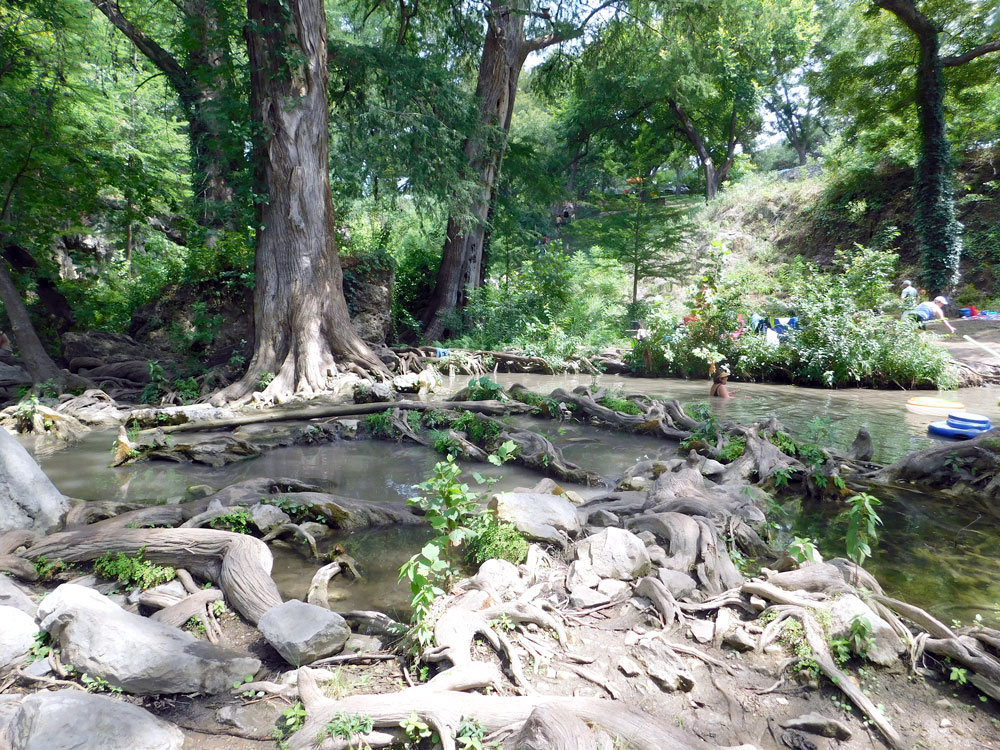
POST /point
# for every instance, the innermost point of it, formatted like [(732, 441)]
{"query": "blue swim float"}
[(960, 426)]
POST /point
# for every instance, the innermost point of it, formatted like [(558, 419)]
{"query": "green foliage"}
[(379, 424), (42, 646), (803, 551), (784, 443), (471, 735), (495, 539), (297, 511), (133, 571), (485, 389), (157, 385), (443, 442), (238, 520), (348, 727), (481, 431), (415, 729), (862, 640), (616, 400), (450, 508), (292, 720), (843, 339), (49, 569), (264, 379), (793, 637), (733, 449), (862, 526), (188, 389)]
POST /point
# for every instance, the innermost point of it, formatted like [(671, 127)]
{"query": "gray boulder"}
[(537, 515), (74, 720), (303, 633), (615, 553), (885, 646), (134, 653), (12, 595), (17, 636), (268, 517), (677, 583), (28, 500)]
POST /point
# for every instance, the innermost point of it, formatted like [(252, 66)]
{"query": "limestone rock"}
[(17, 635), (582, 597), (536, 515), (677, 583), (613, 589), (740, 640), (134, 653), (702, 630), (367, 392), (663, 664), (712, 468), (501, 576), (74, 720), (615, 553), (12, 595), (28, 500), (266, 517), (581, 574), (602, 518), (886, 646), (815, 723), (303, 633)]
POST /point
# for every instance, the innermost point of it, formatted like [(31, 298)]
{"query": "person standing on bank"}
[(909, 294)]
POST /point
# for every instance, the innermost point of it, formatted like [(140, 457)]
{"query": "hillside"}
[(770, 218)]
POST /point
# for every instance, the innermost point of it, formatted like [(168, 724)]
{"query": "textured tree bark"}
[(940, 232), (36, 360), (302, 324), (462, 267), (51, 298), (714, 176)]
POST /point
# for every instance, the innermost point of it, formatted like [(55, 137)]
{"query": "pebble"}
[(943, 703), (945, 723)]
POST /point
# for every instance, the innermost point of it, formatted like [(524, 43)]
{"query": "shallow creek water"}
[(931, 553)]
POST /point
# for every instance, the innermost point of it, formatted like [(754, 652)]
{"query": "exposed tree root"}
[(444, 710), (239, 564)]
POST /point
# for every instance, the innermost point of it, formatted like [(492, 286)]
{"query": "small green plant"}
[(133, 571), (42, 647), (155, 388), (503, 622), (450, 508), (292, 720), (443, 442), (415, 729), (862, 640), (188, 389), (804, 550), (49, 569), (471, 735), (296, 510), (782, 476), (98, 685), (784, 443), (493, 538), (238, 520), (959, 675), (482, 432), (264, 379), (733, 449), (348, 727), (616, 400), (484, 389), (219, 608), (793, 637), (195, 625), (862, 523), (379, 424)]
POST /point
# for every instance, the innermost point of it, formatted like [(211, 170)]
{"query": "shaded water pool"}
[(931, 553)]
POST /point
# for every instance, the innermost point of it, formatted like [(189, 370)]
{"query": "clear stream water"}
[(931, 553)]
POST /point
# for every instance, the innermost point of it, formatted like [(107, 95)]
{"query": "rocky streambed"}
[(651, 612)]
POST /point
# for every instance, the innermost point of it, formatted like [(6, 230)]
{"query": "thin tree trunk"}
[(462, 259), (302, 323)]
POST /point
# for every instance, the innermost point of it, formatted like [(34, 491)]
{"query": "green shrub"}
[(617, 401), (133, 571), (238, 520), (733, 449), (496, 539), (379, 424)]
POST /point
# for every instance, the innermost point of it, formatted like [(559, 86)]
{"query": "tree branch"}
[(556, 37), (972, 54), (178, 77)]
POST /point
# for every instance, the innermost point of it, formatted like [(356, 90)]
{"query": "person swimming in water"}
[(719, 381)]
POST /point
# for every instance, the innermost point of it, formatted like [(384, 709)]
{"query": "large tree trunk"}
[(940, 233), (714, 176), (36, 360), (302, 324), (55, 304), (463, 257)]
